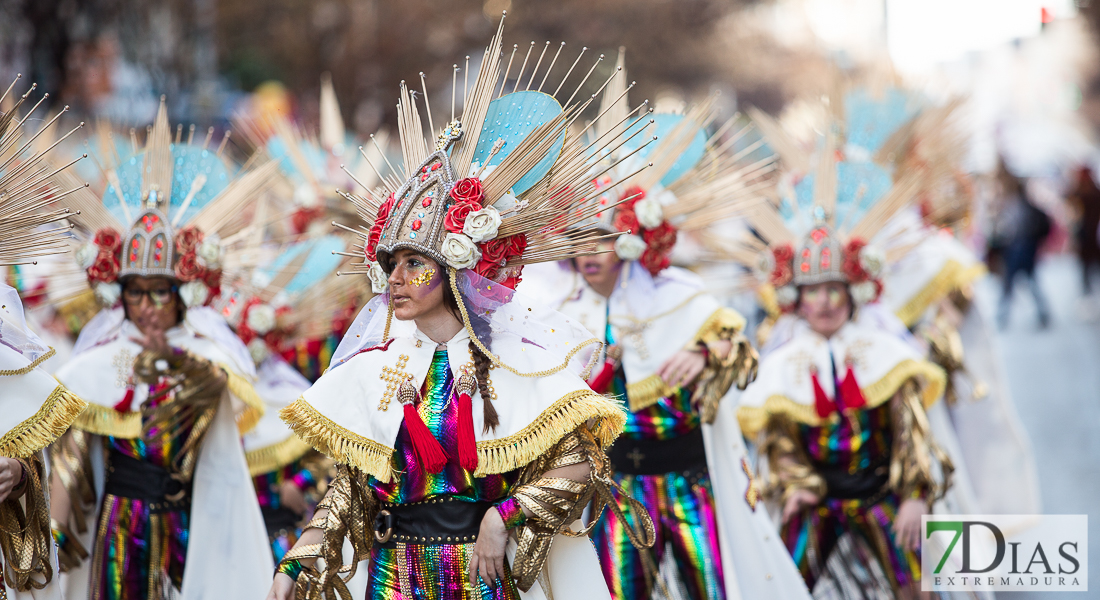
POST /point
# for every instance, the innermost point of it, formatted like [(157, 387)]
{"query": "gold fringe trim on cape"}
[(645, 393), (105, 420), (753, 419), (59, 410), (721, 324), (337, 442), (950, 278), (493, 456), (276, 456), (562, 417), (27, 369), (254, 405)]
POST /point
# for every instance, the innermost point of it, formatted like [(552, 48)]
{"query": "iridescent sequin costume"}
[(680, 503), (283, 527), (434, 571)]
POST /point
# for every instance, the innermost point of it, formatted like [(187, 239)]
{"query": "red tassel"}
[(822, 405), (124, 405), (602, 380), (424, 443), (849, 390), (467, 445)]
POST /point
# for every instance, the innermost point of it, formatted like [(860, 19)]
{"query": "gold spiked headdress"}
[(502, 185), (169, 209)]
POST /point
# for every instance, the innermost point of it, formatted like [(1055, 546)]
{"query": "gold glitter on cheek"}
[(424, 278)]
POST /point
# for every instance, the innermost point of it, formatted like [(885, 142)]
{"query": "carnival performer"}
[(469, 442), (34, 408), (838, 408), (156, 459), (930, 290), (672, 354)]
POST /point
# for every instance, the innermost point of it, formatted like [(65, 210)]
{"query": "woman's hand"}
[(907, 523), (682, 368), (488, 558), (282, 588), (291, 496), (11, 474), (798, 500)]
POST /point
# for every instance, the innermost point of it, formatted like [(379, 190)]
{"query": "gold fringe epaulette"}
[(753, 419), (645, 393), (336, 442), (59, 410), (562, 417), (276, 456), (722, 324), (951, 277), (493, 456), (105, 420), (254, 405)]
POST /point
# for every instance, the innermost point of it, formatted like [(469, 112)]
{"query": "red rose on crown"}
[(783, 272), (659, 243), (187, 239), (188, 269), (851, 266), (468, 190), (376, 230), (108, 240), (105, 268), (456, 215)]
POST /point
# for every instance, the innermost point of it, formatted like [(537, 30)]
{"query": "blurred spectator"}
[(1020, 227), (1085, 202)]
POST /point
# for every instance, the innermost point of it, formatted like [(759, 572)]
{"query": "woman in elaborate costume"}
[(838, 408), (34, 408), (468, 439), (156, 459), (673, 352)]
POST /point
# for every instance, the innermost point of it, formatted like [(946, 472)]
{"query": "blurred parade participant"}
[(838, 408), (34, 408), (672, 354), (157, 458), (1085, 199), (1022, 226), (263, 308), (474, 487)]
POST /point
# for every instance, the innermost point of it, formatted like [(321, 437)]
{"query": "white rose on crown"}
[(863, 292), (194, 293), (107, 293), (209, 252), (86, 255), (630, 247), (482, 225), (261, 318), (258, 350), (459, 251), (786, 295), (379, 281), (649, 212), (872, 260)]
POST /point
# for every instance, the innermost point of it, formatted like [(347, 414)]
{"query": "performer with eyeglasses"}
[(151, 494)]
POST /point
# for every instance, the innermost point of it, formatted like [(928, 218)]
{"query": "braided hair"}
[(482, 363)]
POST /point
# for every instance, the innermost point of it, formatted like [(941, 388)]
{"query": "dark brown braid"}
[(481, 362), (481, 372)]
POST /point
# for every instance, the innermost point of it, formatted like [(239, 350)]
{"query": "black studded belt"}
[(685, 453), (440, 521), (870, 484), (128, 477)]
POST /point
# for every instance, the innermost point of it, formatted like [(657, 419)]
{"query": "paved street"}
[(1054, 375)]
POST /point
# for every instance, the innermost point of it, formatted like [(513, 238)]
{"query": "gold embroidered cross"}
[(393, 376), (636, 332), (857, 353), (801, 362), (124, 367), (636, 456)]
